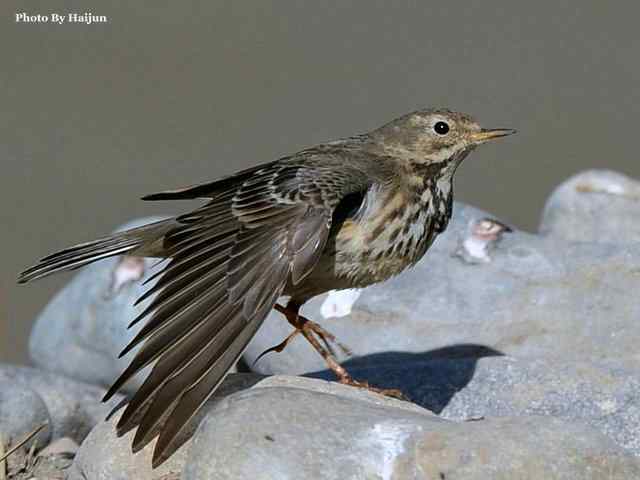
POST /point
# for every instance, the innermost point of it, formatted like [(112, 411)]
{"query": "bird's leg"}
[(328, 338), (308, 328), (302, 324)]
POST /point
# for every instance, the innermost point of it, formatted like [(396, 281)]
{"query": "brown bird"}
[(344, 214)]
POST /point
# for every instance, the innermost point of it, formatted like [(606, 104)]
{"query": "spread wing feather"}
[(228, 262)]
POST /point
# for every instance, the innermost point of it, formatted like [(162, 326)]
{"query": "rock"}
[(104, 456), (595, 206), (291, 426), (604, 396), (61, 446), (21, 412), (305, 429), (467, 382), (83, 329), (71, 408), (526, 295), (24, 464), (526, 448)]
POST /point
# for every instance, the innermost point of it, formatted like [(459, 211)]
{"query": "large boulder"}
[(468, 382), (296, 428), (293, 427)]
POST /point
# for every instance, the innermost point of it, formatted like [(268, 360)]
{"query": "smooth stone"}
[(21, 412), (596, 206), (303, 429), (105, 456), (72, 408), (60, 446), (526, 448), (470, 382)]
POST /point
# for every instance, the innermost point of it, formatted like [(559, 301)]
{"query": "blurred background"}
[(172, 93)]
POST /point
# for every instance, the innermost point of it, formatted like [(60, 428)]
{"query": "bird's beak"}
[(485, 135)]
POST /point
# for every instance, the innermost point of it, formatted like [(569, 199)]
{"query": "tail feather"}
[(130, 241)]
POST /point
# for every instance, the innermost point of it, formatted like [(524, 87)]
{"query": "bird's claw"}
[(304, 325), (277, 348), (387, 392)]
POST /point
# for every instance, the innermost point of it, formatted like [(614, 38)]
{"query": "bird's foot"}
[(280, 347), (307, 328), (328, 338), (310, 330), (387, 392)]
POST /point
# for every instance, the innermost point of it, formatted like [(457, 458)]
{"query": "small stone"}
[(73, 408), (21, 412), (60, 446)]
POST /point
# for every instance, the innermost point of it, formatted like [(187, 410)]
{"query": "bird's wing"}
[(208, 189), (229, 262)]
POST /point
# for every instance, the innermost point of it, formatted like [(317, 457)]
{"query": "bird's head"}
[(434, 137)]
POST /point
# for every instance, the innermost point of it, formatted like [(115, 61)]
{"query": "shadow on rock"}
[(430, 379)]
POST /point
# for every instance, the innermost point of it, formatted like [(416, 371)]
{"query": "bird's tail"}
[(143, 241)]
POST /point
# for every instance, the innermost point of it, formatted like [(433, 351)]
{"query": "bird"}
[(339, 215)]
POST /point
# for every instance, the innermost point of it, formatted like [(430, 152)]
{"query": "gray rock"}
[(319, 385), (526, 448), (603, 396), (467, 382), (21, 412), (525, 295), (595, 206), (61, 446), (83, 329), (305, 429), (104, 456), (71, 408)]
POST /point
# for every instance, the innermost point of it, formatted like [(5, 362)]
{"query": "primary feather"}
[(229, 261)]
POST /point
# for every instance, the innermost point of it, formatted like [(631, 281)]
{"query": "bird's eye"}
[(441, 128)]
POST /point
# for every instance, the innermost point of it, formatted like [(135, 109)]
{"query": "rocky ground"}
[(518, 352)]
